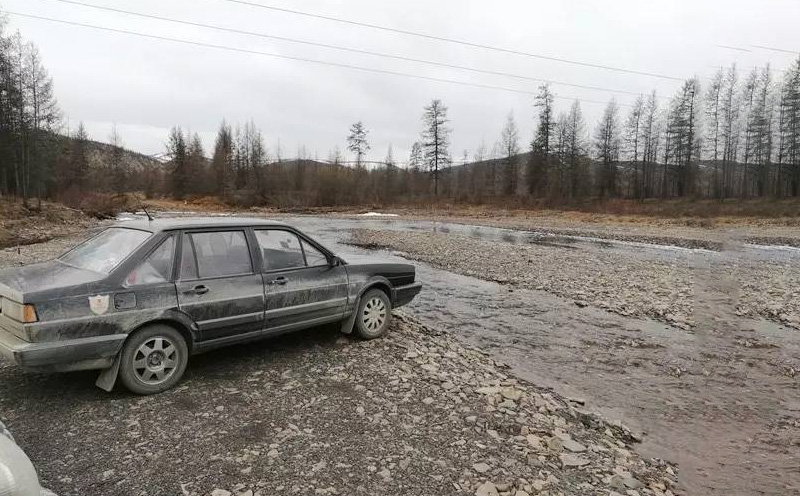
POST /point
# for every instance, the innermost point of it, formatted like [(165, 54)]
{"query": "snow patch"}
[(377, 214)]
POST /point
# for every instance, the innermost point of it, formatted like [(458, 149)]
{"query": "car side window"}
[(219, 254), (188, 262), (280, 249), (314, 257), (157, 267)]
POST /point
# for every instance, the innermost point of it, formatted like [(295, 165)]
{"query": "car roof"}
[(172, 223)]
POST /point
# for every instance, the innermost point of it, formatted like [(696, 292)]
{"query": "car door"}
[(218, 286), (149, 288), (302, 288)]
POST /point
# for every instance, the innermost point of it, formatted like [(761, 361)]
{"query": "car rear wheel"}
[(153, 360), (374, 314)]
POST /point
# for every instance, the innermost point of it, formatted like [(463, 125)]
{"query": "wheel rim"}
[(155, 361), (374, 315)]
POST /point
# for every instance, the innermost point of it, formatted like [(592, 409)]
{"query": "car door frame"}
[(203, 342), (332, 264)]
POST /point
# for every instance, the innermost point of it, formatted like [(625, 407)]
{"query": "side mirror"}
[(335, 261)]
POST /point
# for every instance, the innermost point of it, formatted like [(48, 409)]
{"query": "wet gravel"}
[(320, 413), (612, 281), (664, 288)]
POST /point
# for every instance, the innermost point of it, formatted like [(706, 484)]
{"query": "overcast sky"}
[(147, 86)]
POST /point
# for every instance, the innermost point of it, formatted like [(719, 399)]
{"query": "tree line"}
[(28, 116), (736, 137)]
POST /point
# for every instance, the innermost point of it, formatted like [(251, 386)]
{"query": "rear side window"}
[(215, 254), (157, 267), (280, 249), (104, 252)]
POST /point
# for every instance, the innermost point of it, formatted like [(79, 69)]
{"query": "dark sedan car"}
[(141, 296)]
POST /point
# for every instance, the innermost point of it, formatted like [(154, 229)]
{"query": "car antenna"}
[(141, 205)]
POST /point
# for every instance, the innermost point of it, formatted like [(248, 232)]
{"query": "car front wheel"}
[(374, 314), (153, 360)]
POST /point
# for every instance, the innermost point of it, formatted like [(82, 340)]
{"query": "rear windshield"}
[(106, 250)]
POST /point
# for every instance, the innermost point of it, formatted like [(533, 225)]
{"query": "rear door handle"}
[(279, 280), (200, 289)]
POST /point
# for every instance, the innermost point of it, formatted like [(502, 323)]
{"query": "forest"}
[(737, 136)]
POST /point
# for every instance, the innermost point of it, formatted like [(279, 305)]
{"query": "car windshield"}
[(106, 250)]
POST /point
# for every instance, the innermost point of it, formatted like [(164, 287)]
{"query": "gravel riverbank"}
[(664, 289), (625, 285)]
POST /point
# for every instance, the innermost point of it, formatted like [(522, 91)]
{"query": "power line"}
[(346, 49), (782, 50), (737, 49), (289, 57), (454, 41)]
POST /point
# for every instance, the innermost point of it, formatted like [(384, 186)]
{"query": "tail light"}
[(29, 314), (25, 313)]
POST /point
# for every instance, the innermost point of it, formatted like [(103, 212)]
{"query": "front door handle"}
[(279, 280), (200, 289)]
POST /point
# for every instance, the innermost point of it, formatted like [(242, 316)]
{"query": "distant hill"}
[(99, 152)]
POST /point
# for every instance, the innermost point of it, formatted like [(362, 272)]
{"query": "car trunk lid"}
[(19, 283), (28, 283)]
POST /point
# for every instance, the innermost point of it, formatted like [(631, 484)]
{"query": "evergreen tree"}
[(607, 146), (510, 140), (575, 151), (222, 161), (435, 141), (357, 142), (539, 164), (177, 151)]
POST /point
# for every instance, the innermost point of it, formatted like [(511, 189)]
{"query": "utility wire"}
[(345, 49), (782, 50), (289, 57), (453, 40), (735, 48)]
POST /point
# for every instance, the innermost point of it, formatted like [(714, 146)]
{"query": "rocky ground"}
[(663, 289), (320, 413)]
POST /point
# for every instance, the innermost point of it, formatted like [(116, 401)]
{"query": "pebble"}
[(511, 393), (568, 460), (487, 489), (571, 445)]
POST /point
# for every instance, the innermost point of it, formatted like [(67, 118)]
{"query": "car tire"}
[(374, 314), (153, 360)]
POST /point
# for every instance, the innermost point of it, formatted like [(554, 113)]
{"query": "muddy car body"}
[(187, 286)]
